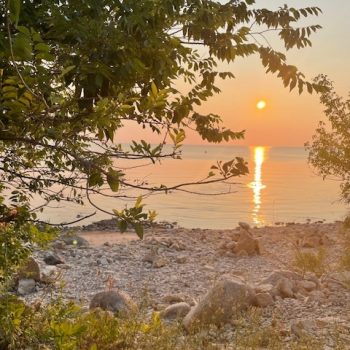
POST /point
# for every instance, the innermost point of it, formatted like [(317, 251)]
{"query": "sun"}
[(261, 104)]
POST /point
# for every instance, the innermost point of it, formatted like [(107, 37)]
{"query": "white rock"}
[(26, 286)]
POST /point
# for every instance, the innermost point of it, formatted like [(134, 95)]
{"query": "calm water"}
[(280, 187)]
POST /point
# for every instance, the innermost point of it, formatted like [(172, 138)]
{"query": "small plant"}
[(311, 261)]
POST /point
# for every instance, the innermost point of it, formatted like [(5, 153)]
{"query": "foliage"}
[(311, 261), (73, 73), (15, 234), (65, 326), (329, 151)]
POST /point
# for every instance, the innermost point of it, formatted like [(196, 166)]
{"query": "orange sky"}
[(289, 119)]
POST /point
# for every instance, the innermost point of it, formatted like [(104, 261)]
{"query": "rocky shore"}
[(190, 274)]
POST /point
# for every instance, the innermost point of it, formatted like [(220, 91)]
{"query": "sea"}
[(281, 187)]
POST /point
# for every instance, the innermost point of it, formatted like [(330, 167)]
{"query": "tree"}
[(329, 151), (73, 72)]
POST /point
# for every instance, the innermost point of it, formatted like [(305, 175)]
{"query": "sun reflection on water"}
[(257, 185)]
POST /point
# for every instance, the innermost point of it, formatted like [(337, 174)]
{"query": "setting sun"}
[(261, 104)]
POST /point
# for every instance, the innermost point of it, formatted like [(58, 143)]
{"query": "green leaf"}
[(42, 47), (95, 179), (22, 47), (66, 70), (113, 179), (138, 229), (154, 89), (15, 9)]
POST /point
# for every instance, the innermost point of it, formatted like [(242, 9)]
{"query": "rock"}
[(310, 276), (315, 240), (244, 226), (248, 243), (30, 270), (275, 276), (263, 299), (75, 240), (178, 246), (58, 245), (53, 259), (181, 259), (26, 286), (223, 245), (116, 301), (307, 285), (150, 257), (159, 262), (102, 261), (231, 246), (220, 304), (49, 274), (242, 253), (176, 311), (264, 288), (337, 280), (316, 296), (178, 298), (285, 288)]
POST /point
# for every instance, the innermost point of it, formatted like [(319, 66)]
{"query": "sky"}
[(288, 119)]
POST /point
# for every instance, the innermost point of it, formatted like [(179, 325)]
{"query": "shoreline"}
[(173, 263)]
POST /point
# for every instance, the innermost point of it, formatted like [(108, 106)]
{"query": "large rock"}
[(30, 270), (176, 311), (49, 274), (74, 240), (53, 259), (116, 301), (220, 304), (246, 243), (26, 286)]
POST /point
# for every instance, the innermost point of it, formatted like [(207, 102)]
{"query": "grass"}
[(306, 261)]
